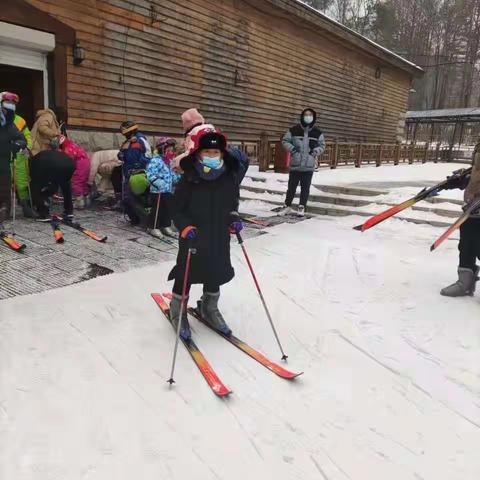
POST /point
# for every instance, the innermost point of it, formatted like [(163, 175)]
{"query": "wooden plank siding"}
[(150, 60)]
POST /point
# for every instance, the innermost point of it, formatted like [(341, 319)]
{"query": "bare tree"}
[(442, 36)]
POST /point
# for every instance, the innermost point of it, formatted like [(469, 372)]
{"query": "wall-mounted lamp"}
[(378, 73), (241, 79), (78, 53)]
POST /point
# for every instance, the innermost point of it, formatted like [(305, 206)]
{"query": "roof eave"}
[(307, 13)]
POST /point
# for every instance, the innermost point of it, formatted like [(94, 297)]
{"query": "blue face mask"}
[(212, 162), (9, 106)]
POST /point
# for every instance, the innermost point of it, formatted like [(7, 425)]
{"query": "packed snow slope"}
[(391, 389)]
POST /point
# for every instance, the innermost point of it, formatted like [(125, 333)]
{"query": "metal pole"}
[(191, 251), (259, 290), (14, 193), (158, 209)]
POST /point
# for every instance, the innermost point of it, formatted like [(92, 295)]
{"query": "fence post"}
[(358, 162), (396, 154), (380, 155), (437, 153), (335, 155), (263, 153), (411, 154), (425, 156)]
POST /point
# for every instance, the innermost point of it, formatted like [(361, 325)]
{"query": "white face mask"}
[(308, 119), (9, 106)]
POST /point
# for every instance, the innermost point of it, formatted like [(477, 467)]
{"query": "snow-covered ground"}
[(391, 388)]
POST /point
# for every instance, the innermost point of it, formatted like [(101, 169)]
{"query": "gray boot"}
[(465, 285), (211, 314), (175, 306)]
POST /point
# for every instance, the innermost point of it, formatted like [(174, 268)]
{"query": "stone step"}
[(351, 202), (354, 191), (344, 190), (339, 210), (315, 197)]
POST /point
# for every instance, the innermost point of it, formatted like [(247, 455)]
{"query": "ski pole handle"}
[(239, 238)]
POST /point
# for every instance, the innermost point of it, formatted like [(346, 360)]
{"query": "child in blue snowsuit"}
[(162, 179), (135, 153)]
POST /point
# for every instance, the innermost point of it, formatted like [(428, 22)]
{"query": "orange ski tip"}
[(12, 243), (58, 236)]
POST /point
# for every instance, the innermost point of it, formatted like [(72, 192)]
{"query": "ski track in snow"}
[(391, 388)]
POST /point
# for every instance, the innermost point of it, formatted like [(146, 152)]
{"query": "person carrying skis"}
[(305, 142), (22, 177), (205, 213), (11, 142), (469, 246), (134, 153), (81, 160), (162, 179)]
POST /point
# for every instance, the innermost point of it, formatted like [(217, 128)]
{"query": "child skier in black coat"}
[(205, 213)]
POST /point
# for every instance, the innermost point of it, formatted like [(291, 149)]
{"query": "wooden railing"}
[(263, 152)]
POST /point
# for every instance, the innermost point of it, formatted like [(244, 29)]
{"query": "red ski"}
[(244, 347), (425, 193), (470, 208), (11, 242), (57, 232), (205, 368)]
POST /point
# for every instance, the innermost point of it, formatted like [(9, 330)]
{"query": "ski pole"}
[(14, 193), (29, 179), (191, 251), (259, 290), (158, 209)]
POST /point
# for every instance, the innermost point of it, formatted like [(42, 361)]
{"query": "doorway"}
[(28, 85)]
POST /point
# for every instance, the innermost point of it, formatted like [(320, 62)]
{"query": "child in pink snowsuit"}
[(81, 160)]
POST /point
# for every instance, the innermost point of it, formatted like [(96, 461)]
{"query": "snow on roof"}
[(358, 35), (444, 113)]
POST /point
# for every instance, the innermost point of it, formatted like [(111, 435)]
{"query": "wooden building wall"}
[(247, 69)]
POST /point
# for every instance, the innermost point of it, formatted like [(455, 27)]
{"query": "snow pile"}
[(390, 391)]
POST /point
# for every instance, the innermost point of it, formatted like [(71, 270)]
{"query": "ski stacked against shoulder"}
[(469, 209), (205, 368), (422, 195), (244, 347), (11, 242)]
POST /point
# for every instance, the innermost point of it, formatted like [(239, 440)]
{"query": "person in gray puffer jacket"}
[(469, 245), (305, 142)]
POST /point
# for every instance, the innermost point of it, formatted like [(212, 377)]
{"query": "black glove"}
[(18, 145), (457, 181)]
